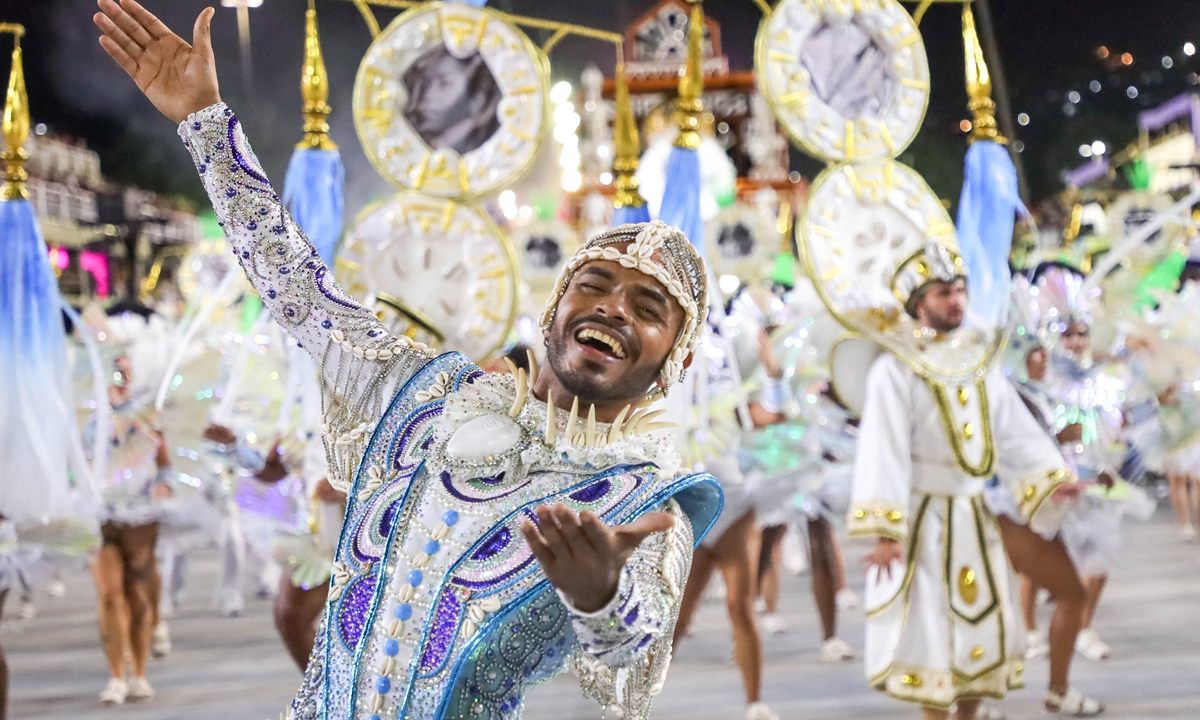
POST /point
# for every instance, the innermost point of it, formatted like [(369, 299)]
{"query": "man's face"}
[(943, 306), (612, 332), (1077, 339), (1035, 364)]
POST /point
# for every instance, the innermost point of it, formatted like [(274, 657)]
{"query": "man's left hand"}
[(582, 556)]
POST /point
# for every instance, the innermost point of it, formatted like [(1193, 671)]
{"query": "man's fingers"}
[(114, 51), (634, 533), (117, 35), (543, 552), (572, 530), (595, 530), (202, 31), (132, 28), (154, 27), (549, 529)]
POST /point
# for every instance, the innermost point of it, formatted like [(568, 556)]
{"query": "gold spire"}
[(626, 147), (314, 87), (979, 84), (16, 124), (691, 84)]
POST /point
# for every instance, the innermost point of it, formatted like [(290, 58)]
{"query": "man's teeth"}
[(608, 340)]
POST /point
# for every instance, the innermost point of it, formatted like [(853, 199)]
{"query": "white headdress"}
[(663, 253)]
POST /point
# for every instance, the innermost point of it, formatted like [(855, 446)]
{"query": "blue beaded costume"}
[(437, 607)]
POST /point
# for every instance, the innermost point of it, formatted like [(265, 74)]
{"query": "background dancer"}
[(1044, 562), (917, 490)]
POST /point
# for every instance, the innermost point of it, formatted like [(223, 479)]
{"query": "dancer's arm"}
[(883, 462), (1028, 462), (647, 599), (621, 585), (361, 364)]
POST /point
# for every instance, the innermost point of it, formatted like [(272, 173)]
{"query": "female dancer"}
[(125, 572)]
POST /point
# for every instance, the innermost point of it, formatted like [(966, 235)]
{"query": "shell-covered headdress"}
[(663, 253), (936, 263)]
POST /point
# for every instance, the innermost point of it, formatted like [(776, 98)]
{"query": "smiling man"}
[(437, 608)]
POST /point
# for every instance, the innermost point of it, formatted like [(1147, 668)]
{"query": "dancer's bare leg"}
[(1029, 592), (143, 586), (1047, 564), (737, 558), (839, 563), (1094, 585), (823, 557), (1180, 498), (703, 563), (770, 561), (296, 614), (108, 571)]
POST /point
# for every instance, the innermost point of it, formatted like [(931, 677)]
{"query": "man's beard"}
[(943, 323), (589, 388)]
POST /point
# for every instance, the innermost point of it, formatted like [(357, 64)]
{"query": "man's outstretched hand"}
[(582, 556), (178, 78)]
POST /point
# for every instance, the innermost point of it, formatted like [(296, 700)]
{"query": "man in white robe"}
[(942, 628)]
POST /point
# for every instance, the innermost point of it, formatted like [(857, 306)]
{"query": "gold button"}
[(894, 516), (1030, 492), (967, 587), (913, 680), (860, 514), (968, 431), (963, 396), (1019, 668), (976, 652)]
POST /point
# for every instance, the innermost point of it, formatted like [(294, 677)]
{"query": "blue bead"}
[(391, 647), (382, 685), (432, 547), (415, 577), (450, 517), (372, 717), (403, 611)]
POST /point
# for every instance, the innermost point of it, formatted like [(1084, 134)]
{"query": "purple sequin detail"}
[(645, 641), (320, 280), (415, 425), (632, 617), (493, 479), (493, 545), (448, 483), (442, 632), (499, 579), (356, 603), (592, 493), (389, 519), (237, 155)]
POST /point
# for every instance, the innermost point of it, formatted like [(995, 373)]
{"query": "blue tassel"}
[(987, 211), (314, 192), (38, 441), (625, 215), (681, 196)]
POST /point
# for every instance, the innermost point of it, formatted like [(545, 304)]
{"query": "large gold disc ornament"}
[(543, 247), (862, 222), (849, 81), (451, 100), (743, 241), (441, 264)]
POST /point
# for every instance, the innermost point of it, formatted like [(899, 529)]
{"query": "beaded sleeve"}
[(361, 363), (646, 604)]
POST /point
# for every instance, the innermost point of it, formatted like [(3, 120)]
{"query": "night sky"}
[(1049, 49)]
